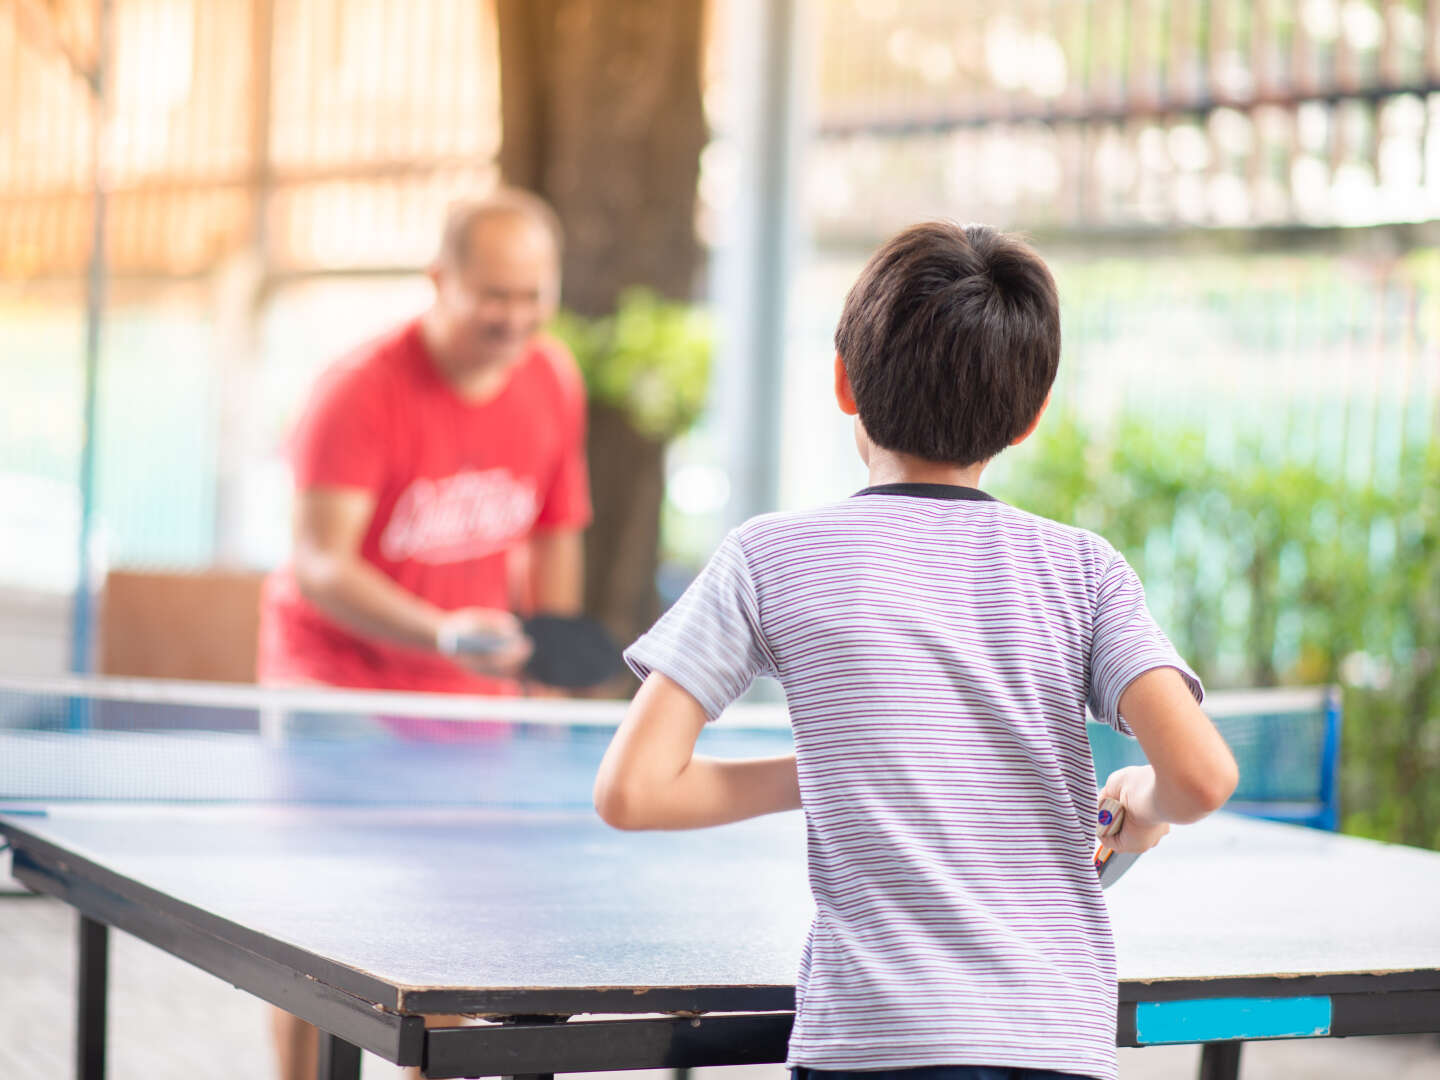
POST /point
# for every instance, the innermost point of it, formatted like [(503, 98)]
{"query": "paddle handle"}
[(1108, 864), (1110, 817), (478, 642)]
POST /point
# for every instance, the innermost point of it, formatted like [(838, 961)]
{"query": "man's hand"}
[(506, 661), (1134, 789)]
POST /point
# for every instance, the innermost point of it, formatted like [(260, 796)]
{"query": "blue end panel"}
[(1222, 1019)]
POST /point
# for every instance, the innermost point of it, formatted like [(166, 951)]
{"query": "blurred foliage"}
[(1268, 574), (650, 360)]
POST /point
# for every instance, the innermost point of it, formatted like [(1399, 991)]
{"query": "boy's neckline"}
[(929, 491)]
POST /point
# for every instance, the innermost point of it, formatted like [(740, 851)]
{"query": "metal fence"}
[(1104, 113)]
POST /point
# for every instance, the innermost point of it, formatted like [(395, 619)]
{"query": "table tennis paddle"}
[(569, 651), (1111, 865)]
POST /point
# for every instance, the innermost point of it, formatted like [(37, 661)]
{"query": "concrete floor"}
[(169, 1021)]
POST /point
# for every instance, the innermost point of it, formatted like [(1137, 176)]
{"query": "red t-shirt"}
[(457, 487)]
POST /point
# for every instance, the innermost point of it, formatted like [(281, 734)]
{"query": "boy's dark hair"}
[(951, 340)]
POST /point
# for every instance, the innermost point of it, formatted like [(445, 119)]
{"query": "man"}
[(424, 459), (424, 462)]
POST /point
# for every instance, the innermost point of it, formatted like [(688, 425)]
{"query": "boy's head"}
[(950, 340)]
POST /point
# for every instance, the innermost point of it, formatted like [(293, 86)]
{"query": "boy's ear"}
[(844, 396), (1033, 424)]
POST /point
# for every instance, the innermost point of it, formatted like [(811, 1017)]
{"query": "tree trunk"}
[(627, 484), (601, 112), (602, 115)]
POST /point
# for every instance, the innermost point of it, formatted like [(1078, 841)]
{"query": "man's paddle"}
[(572, 652)]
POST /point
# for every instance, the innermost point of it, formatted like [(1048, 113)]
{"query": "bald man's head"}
[(505, 206), (497, 280)]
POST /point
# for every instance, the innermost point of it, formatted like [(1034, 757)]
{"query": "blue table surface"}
[(479, 864), (492, 897)]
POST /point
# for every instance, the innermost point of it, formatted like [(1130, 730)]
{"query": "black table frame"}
[(707, 1025)]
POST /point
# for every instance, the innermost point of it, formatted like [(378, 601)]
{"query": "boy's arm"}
[(1191, 771), (651, 779)]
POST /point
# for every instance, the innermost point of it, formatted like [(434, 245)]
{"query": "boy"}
[(938, 650)]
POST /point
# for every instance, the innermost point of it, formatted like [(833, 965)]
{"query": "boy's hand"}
[(1134, 789)]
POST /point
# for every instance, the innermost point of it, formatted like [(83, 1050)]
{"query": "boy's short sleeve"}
[(1127, 642), (710, 641)]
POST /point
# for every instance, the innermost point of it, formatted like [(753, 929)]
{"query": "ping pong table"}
[(369, 881)]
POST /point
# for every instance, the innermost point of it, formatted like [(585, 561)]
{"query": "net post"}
[(1330, 765)]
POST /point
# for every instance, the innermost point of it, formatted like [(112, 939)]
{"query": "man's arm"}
[(651, 779), (557, 572), (329, 526)]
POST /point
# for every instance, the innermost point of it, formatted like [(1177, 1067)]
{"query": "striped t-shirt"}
[(938, 649)]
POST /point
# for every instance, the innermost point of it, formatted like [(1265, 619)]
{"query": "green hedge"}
[(650, 360), (1271, 574)]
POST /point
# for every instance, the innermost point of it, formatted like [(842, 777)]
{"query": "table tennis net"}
[(155, 741), (1285, 742), (79, 739)]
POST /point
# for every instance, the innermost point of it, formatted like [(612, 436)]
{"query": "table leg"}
[(94, 963), (337, 1060), (1220, 1061), (512, 1020)]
